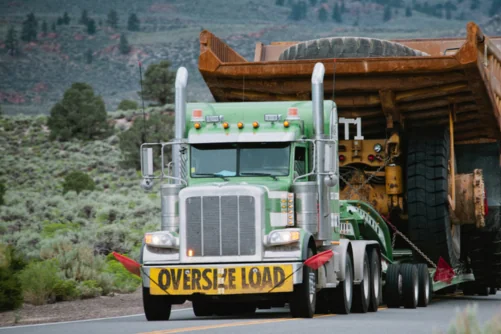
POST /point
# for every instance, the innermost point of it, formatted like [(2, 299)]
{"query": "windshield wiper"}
[(274, 177), (213, 174)]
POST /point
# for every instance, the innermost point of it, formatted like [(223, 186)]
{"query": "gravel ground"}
[(101, 307)]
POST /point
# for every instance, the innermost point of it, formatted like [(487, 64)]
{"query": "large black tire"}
[(362, 291), (425, 286), (341, 298), (303, 299), (410, 285), (393, 286), (377, 285), (347, 47), (203, 309), (427, 190), (156, 308)]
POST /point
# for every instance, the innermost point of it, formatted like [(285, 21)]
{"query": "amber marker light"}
[(197, 126), (148, 238), (190, 252), (226, 125), (286, 124), (255, 125), (240, 125)]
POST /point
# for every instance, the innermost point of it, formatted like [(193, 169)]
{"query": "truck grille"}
[(221, 225)]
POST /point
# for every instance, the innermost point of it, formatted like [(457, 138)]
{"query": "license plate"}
[(221, 280)]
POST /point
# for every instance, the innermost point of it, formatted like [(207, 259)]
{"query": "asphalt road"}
[(436, 317)]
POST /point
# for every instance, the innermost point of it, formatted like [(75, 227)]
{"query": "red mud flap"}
[(444, 272)]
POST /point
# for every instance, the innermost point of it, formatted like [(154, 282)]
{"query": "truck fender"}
[(342, 251), (359, 247), (304, 246)]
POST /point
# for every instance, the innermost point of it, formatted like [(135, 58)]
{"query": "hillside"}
[(33, 81)]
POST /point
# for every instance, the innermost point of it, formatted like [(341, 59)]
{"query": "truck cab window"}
[(299, 161)]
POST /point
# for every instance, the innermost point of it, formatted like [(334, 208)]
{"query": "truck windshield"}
[(243, 159)]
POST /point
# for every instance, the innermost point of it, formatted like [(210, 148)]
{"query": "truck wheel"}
[(377, 285), (429, 225), (393, 286), (410, 285), (362, 291), (493, 291), (341, 298), (202, 309), (303, 300), (347, 47), (424, 281), (156, 307)]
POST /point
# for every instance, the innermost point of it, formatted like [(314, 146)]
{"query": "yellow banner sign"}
[(221, 281)]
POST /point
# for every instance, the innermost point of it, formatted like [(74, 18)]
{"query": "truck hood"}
[(267, 186)]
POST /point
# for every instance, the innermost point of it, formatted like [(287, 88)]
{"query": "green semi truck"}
[(253, 191)]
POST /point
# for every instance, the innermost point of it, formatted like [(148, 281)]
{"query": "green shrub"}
[(127, 105), (78, 181), (89, 289), (466, 321), (38, 281), (11, 293), (66, 290), (2, 193)]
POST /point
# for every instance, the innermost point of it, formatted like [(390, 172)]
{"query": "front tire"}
[(202, 309), (156, 308), (304, 296)]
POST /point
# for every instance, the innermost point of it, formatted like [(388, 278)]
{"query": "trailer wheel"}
[(424, 284), (430, 228), (303, 300), (393, 286), (156, 308), (347, 47), (202, 309), (410, 285), (341, 298), (362, 291), (377, 285)]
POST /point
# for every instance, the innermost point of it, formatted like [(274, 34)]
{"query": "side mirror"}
[(147, 162), (331, 180)]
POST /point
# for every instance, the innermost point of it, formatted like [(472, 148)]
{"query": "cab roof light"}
[(226, 125), (292, 114), (197, 126), (240, 125), (272, 117), (214, 118), (255, 125), (286, 124), (196, 115)]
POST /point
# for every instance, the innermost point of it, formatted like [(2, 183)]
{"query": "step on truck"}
[(419, 129), (252, 217)]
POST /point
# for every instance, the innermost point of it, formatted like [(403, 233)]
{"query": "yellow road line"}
[(323, 315), (234, 324)]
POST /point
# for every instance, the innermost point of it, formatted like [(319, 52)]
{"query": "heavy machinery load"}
[(419, 123), (252, 217)]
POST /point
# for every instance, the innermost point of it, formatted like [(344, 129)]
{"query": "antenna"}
[(334, 80), (143, 139)]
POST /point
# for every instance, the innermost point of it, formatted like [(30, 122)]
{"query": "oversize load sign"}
[(218, 281)]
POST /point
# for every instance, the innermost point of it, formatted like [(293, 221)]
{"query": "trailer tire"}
[(376, 281), (362, 291), (393, 286), (203, 309), (429, 224), (347, 47), (156, 308), (425, 288), (410, 285), (303, 299), (341, 298)]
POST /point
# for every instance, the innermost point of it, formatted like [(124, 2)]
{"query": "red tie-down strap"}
[(318, 260), (132, 266), (444, 272)]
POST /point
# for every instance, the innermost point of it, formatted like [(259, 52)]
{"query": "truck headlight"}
[(282, 237), (162, 239)]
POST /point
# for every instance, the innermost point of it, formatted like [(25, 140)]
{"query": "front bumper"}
[(222, 279)]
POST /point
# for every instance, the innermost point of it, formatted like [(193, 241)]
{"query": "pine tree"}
[(448, 13), (313, 3), (133, 23), (387, 13), (11, 41), (84, 18), (279, 2), (30, 26), (91, 27), (322, 14), (408, 12), (53, 27), (89, 56), (495, 7), (60, 21), (474, 4), (45, 28), (123, 46), (66, 18), (343, 8), (112, 20), (336, 14), (298, 11)]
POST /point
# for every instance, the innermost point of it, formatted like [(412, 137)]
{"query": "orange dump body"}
[(461, 77)]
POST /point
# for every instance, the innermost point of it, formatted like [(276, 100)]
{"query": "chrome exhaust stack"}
[(180, 120)]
